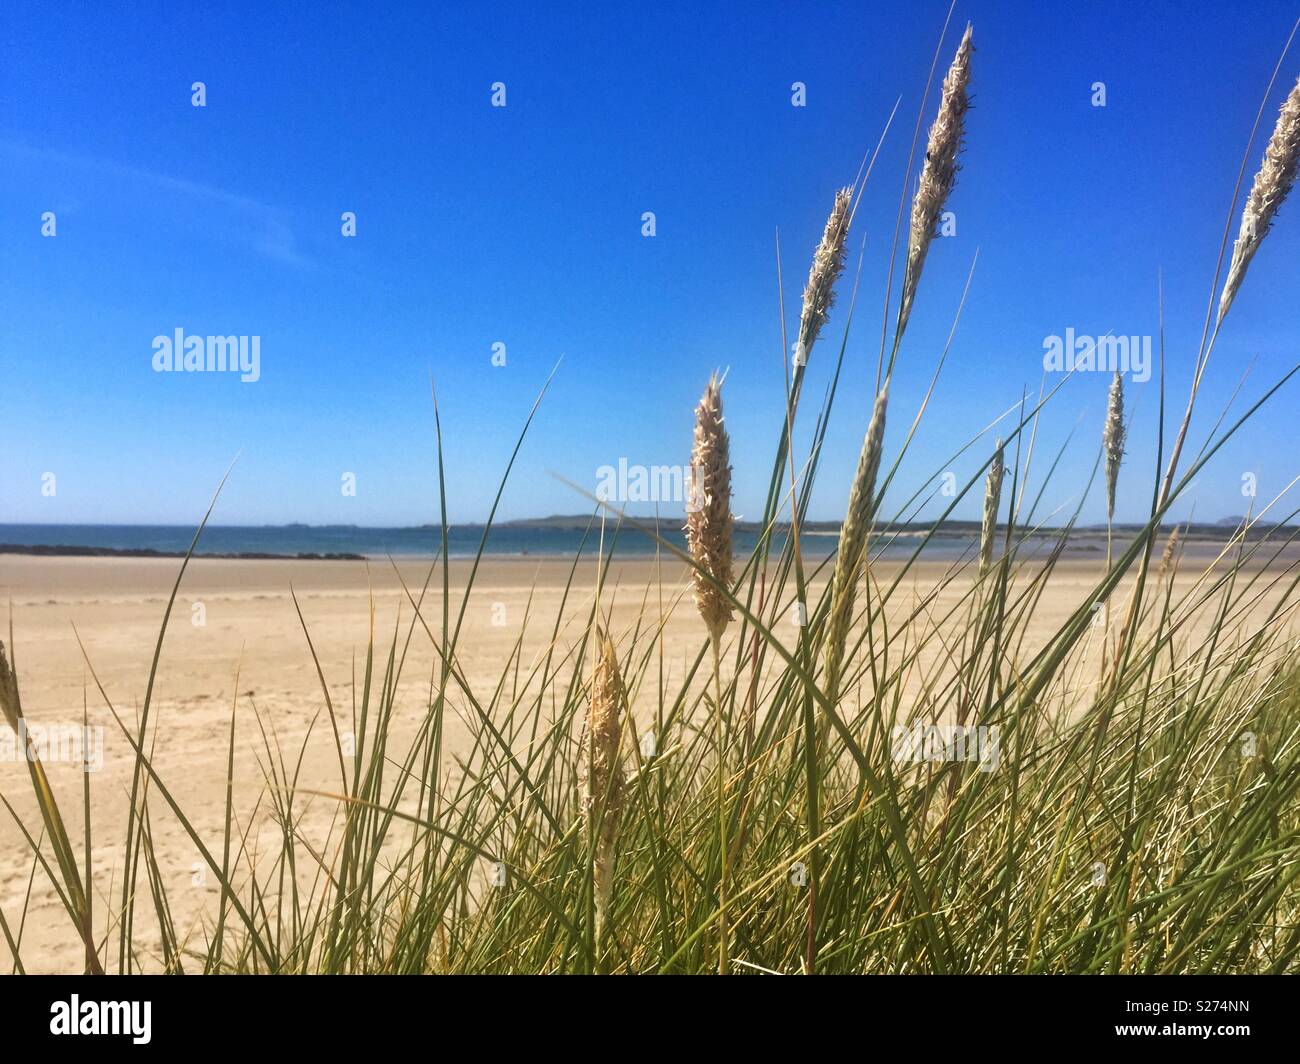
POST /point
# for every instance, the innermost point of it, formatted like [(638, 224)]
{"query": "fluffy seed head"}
[(853, 542), (939, 172), (604, 773), (1171, 549), (992, 499), (604, 784), (827, 265), (1276, 176), (1112, 439), (708, 520)]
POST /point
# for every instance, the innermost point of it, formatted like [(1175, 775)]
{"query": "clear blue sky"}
[(522, 225)]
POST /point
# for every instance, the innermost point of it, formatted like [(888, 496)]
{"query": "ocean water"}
[(463, 540)]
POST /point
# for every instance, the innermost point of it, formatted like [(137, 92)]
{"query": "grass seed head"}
[(853, 541), (605, 787), (939, 172), (992, 499), (709, 519), (8, 691), (1276, 175), (1112, 439), (1171, 550), (604, 773), (827, 265)]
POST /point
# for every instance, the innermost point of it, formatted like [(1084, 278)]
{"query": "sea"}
[(424, 541)]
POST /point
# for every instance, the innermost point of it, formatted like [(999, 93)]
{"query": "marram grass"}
[(1150, 823)]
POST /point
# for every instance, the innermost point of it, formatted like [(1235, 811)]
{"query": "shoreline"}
[(43, 550), (891, 546), (902, 542)]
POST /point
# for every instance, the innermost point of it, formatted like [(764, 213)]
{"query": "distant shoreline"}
[(1223, 529), (901, 541), (552, 537), (73, 551)]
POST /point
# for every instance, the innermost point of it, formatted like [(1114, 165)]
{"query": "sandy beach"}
[(235, 639), (234, 630)]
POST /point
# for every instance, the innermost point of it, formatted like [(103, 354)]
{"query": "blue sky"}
[(522, 225)]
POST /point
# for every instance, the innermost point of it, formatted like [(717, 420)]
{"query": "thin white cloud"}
[(268, 233)]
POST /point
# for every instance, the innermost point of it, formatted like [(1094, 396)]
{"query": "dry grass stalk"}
[(8, 691), (708, 537), (938, 174), (827, 265), (853, 543), (992, 499), (603, 790), (1276, 175), (1112, 439), (11, 706), (709, 521)]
